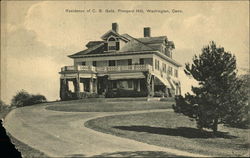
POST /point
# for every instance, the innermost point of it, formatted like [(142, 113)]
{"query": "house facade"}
[(120, 65)]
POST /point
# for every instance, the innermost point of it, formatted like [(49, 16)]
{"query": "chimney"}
[(115, 27), (147, 31)]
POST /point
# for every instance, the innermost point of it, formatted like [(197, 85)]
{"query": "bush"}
[(23, 98), (160, 94), (125, 93), (2, 106), (88, 95)]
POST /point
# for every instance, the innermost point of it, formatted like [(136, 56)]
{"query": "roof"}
[(92, 50), (93, 43), (132, 45), (150, 40)]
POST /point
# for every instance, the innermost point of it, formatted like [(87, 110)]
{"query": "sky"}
[(36, 37)]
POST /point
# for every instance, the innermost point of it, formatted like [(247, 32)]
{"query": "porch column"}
[(166, 91), (91, 85), (64, 88), (77, 87), (152, 86), (138, 86), (95, 85)]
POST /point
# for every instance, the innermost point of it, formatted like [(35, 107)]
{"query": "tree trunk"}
[(215, 126)]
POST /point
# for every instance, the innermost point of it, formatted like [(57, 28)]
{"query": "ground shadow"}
[(137, 154), (76, 156), (7, 148), (186, 132)]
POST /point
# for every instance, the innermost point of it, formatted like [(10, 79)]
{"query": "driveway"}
[(63, 134)]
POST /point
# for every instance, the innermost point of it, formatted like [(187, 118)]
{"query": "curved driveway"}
[(62, 134)]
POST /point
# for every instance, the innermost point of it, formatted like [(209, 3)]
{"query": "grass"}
[(109, 105), (168, 129), (26, 150)]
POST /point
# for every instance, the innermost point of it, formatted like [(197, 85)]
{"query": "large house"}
[(120, 65)]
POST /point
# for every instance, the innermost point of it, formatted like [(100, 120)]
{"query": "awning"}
[(68, 76), (87, 75), (171, 83), (126, 76)]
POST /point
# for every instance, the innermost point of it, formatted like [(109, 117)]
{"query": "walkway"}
[(62, 134)]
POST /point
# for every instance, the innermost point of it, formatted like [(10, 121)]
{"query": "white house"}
[(120, 65)]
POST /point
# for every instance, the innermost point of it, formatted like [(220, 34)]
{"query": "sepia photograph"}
[(124, 79)]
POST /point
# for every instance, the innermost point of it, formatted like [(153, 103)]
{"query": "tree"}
[(3, 106), (218, 97), (23, 98)]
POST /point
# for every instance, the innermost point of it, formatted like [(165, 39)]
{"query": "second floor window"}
[(175, 73), (170, 70), (164, 67), (94, 63), (141, 61), (129, 61), (112, 63), (157, 64), (83, 63)]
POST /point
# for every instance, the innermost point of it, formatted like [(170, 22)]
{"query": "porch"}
[(113, 81)]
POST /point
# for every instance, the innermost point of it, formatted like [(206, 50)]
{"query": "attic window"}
[(113, 44)]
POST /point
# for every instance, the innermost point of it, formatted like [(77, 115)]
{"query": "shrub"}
[(2, 106), (88, 95), (125, 93), (23, 98), (159, 94)]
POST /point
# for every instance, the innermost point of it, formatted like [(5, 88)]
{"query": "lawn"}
[(109, 105), (171, 130)]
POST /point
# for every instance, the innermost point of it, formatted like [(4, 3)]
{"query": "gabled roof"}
[(115, 34), (92, 50), (151, 40), (109, 33), (93, 43), (134, 45)]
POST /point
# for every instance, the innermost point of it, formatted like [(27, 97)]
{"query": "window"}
[(83, 63), (141, 61), (175, 73), (112, 63), (130, 84), (156, 64), (129, 61), (94, 63), (164, 67), (114, 84), (170, 70), (113, 44)]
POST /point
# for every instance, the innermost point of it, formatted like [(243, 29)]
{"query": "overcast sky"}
[(36, 37)]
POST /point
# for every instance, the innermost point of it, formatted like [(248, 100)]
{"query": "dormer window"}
[(113, 44)]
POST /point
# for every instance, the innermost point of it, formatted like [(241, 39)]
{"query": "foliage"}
[(88, 95), (125, 93), (218, 98), (3, 106), (238, 113), (23, 98)]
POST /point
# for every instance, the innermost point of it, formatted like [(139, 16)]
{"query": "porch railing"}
[(107, 68)]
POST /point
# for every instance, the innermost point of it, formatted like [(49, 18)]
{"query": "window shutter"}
[(117, 45)]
